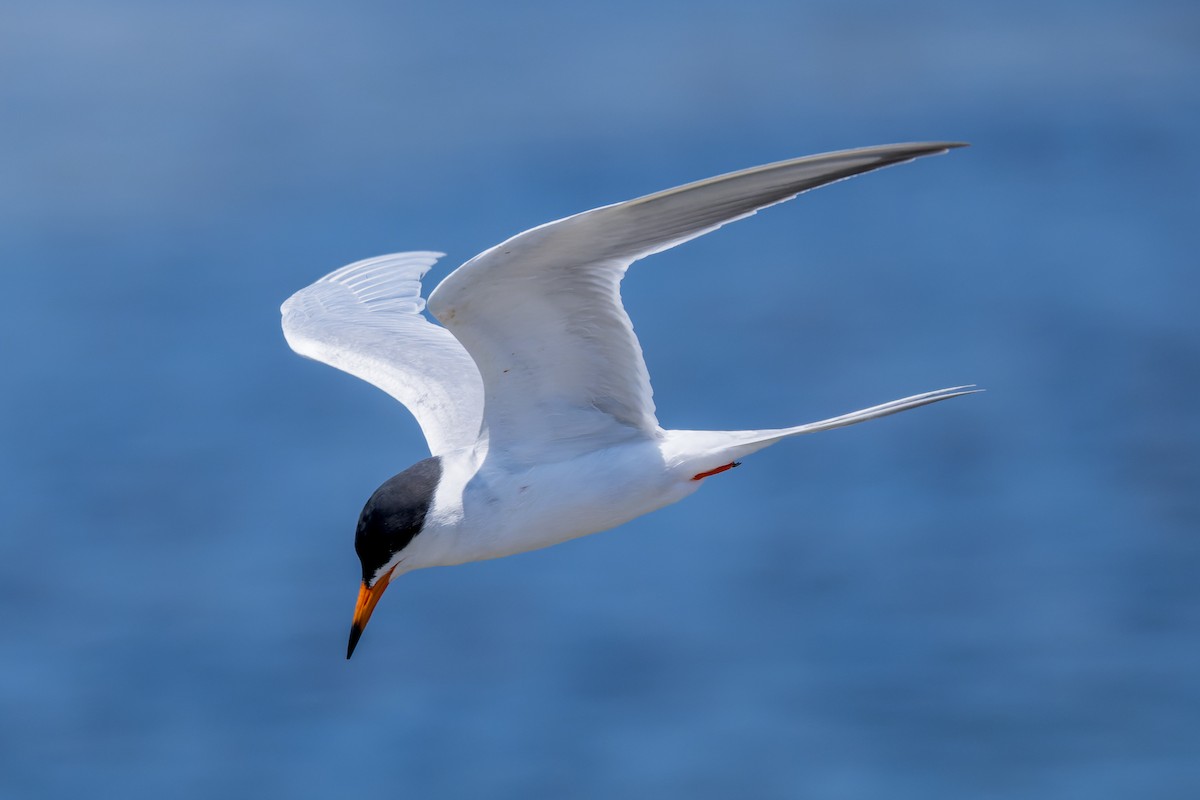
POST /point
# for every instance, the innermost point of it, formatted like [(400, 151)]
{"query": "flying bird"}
[(533, 394)]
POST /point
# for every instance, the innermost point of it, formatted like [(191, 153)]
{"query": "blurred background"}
[(995, 597)]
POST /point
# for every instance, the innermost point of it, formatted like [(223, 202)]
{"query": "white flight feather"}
[(365, 319), (551, 368), (541, 313)]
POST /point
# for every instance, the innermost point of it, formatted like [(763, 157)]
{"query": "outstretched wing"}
[(365, 319), (541, 313)]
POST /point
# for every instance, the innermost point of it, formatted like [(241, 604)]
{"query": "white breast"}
[(485, 508)]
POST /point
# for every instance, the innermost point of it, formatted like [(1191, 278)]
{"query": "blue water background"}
[(995, 597)]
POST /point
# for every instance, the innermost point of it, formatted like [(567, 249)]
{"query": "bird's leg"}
[(716, 471)]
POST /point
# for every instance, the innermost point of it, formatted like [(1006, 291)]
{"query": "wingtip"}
[(937, 148), (919, 149)]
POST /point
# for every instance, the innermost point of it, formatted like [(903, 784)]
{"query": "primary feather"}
[(534, 398), (365, 319)]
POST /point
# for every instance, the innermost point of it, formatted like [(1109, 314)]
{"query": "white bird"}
[(534, 398)]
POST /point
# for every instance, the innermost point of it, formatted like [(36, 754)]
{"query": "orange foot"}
[(716, 471)]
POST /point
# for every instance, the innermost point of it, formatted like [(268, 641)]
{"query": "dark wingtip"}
[(937, 148), (355, 634)]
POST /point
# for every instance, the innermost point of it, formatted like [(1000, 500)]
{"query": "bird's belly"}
[(512, 510)]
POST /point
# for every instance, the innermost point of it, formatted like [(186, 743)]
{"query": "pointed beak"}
[(368, 597)]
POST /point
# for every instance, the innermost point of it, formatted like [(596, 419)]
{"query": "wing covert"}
[(541, 313)]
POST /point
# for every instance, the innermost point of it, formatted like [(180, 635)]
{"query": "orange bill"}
[(368, 598)]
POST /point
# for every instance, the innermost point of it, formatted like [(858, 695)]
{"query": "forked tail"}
[(709, 451), (874, 412)]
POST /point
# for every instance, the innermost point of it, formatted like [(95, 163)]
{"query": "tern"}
[(533, 395)]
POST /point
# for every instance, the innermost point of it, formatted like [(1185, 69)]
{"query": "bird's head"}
[(390, 520)]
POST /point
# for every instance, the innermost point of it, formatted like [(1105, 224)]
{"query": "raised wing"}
[(541, 313), (365, 319)]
